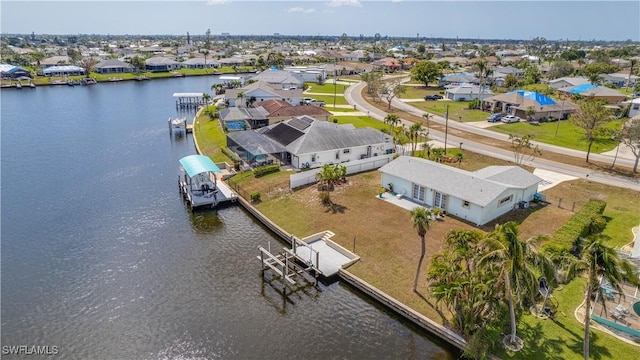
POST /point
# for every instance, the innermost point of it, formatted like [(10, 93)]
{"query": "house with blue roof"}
[(611, 96), (519, 102), (13, 72)]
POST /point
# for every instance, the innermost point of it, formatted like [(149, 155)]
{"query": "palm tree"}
[(519, 265), (482, 66), (427, 117), (414, 134), (206, 97), (421, 218), (459, 157), (633, 64), (599, 261), (239, 96), (392, 120)]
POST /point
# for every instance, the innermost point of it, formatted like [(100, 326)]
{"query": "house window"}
[(465, 204), (505, 200), (313, 158), (418, 192), (440, 201), (346, 151), (337, 155)]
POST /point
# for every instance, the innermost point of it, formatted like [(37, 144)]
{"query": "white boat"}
[(178, 122)]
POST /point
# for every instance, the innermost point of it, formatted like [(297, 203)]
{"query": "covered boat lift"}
[(197, 181)]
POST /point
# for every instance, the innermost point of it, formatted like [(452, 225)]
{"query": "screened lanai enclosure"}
[(255, 149)]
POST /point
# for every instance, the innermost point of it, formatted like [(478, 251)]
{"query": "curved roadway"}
[(353, 95)]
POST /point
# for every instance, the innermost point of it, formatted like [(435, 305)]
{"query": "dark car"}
[(494, 117), (433, 97)]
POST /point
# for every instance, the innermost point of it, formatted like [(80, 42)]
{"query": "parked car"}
[(433, 97), (319, 103), (308, 100), (494, 117), (510, 119)]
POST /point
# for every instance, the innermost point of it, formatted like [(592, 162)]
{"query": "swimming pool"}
[(236, 125)]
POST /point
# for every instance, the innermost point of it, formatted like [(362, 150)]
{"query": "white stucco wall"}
[(329, 157)]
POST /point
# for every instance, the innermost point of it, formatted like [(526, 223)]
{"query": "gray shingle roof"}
[(324, 136), (473, 187)]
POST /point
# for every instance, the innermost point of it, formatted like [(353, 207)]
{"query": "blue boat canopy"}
[(197, 164)]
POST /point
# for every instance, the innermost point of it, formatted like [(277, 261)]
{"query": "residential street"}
[(353, 96)]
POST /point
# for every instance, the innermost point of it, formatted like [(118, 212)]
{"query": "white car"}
[(510, 119)]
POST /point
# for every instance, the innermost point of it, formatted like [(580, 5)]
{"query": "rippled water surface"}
[(101, 258)]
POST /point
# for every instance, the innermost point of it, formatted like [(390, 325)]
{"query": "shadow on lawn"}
[(540, 346), (335, 208)]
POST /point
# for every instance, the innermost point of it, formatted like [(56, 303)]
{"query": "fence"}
[(353, 167)]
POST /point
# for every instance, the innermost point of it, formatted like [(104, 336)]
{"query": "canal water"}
[(102, 259)]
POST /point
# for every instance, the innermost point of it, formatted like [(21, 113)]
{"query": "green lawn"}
[(328, 99), (562, 339), (569, 135), (211, 138), (361, 121), (419, 92), (458, 110), (327, 88)]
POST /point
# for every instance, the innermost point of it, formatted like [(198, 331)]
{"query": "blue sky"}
[(554, 20)]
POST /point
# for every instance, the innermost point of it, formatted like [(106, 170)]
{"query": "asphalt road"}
[(354, 97)]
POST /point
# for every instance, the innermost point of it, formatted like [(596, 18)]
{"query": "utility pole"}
[(561, 116), (446, 127)]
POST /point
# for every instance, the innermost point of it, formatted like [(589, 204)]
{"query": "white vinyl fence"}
[(353, 167)]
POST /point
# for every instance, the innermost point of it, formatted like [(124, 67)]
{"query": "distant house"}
[(13, 72), (309, 73), (56, 60), (278, 110), (611, 96), (200, 63), (359, 56), (261, 91), (388, 64), (304, 142), (619, 80), (283, 78), (518, 103), (254, 118), (477, 197), (66, 70), (466, 92), (114, 66), (568, 81), (508, 70), (457, 79), (161, 64)]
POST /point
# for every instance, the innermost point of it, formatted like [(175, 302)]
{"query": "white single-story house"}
[(467, 92), (200, 63), (114, 66), (158, 64), (568, 81), (63, 70), (477, 197), (261, 91)]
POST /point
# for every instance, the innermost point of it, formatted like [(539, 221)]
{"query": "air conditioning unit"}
[(524, 204)]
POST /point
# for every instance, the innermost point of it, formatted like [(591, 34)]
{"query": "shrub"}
[(231, 155), (474, 104), (266, 169), (580, 225), (255, 196)]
